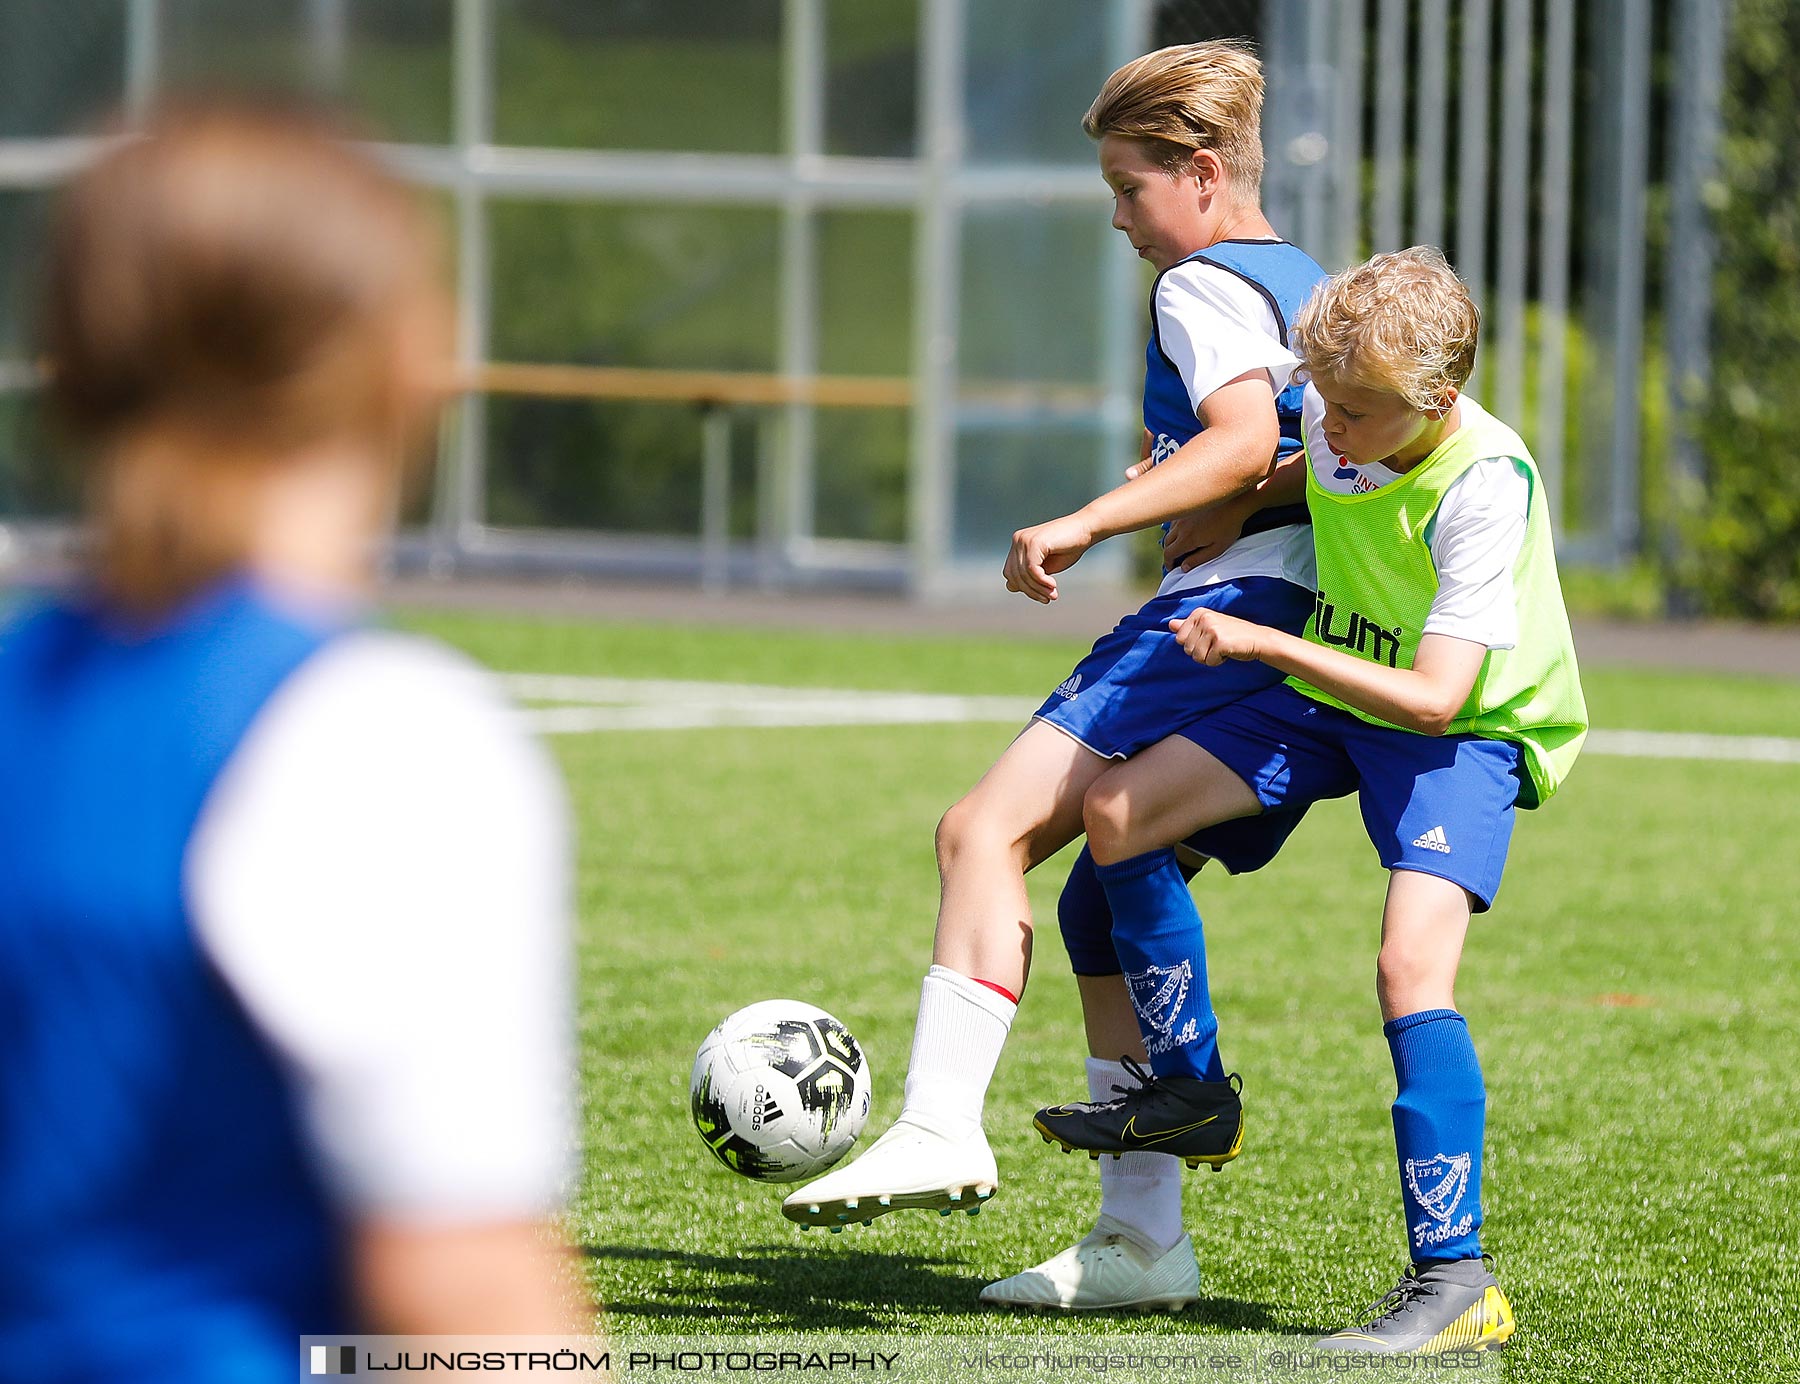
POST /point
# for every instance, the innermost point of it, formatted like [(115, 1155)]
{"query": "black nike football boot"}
[(1196, 1121)]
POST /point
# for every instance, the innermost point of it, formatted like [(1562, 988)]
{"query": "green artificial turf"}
[(1632, 996)]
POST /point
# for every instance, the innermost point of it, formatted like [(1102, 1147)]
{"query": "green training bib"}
[(1377, 582)]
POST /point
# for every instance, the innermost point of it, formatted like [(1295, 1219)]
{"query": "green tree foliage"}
[(1746, 543)]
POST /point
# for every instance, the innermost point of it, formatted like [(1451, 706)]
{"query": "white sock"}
[(1142, 1191), (962, 1027)]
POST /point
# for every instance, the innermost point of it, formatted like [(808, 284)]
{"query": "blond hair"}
[(1192, 96), (1402, 323), (230, 288)]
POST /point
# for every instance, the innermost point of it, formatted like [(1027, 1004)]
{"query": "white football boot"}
[(908, 1167), (1107, 1269)]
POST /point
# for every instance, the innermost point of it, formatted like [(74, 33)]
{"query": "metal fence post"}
[(1506, 380), (1122, 304), (937, 292), (462, 490), (328, 25), (1628, 306), (1431, 122), (1553, 254), (1299, 137), (1347, 139), (1473, 74), (1390, 123), (1700, 36), (715, 498), (803, 37), (143, 54)]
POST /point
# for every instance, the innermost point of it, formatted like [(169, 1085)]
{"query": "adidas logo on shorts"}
[(1433, 840), (1069, 688)]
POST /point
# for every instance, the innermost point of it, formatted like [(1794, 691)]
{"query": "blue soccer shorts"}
[(1440, 805), (1136, 687)]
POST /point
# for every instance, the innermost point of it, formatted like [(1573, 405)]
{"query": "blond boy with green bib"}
[(1437, 681)]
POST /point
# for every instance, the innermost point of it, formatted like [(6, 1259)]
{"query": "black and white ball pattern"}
[(780, 1091)]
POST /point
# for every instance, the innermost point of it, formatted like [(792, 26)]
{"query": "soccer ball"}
[(780, 1091)]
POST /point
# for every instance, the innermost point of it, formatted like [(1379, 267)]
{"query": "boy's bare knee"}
[(1393, 969), (1105, 816), (973, 829), (1406, 982), (954, 828)]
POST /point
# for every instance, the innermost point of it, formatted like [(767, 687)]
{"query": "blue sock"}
[(1157, 934), (1440, 1114), (1086, 921)]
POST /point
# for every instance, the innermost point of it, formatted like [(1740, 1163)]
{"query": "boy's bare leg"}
[(1137, 1254), (1112, 1024), (1440, 1115), (1423, 926), (1160, 796), (1017, 816), (1025, 809), (1140, 808), (1140, 1193), (935, 1155)]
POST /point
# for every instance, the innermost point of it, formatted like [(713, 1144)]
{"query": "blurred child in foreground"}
[(284, 925)]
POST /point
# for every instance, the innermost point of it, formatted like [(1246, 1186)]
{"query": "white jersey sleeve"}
[(1475, 535), (1214, 327), (381, 877), (1475, 540)]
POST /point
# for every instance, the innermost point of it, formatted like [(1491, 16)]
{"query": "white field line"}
[(1667, 744), (598, 704), (581, 705)]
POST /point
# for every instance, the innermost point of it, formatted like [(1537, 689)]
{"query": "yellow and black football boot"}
[(1435, 1308)]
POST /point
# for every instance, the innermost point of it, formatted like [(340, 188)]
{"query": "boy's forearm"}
[(1402, 696), (1208, 470), (1283, 484)]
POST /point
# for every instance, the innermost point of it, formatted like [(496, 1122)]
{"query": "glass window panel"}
[(751, 431), (1194, 21), (236, 44), (22, 222), (32, 484), (860, 474), (419, 501), (872, 78), (397, 69), (671, 287), (1031, 292), (1007, 477), (62, 63), (1031, 73), (618, 467), (704, 75), (35, 482), (389, 63), (865, 292)]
